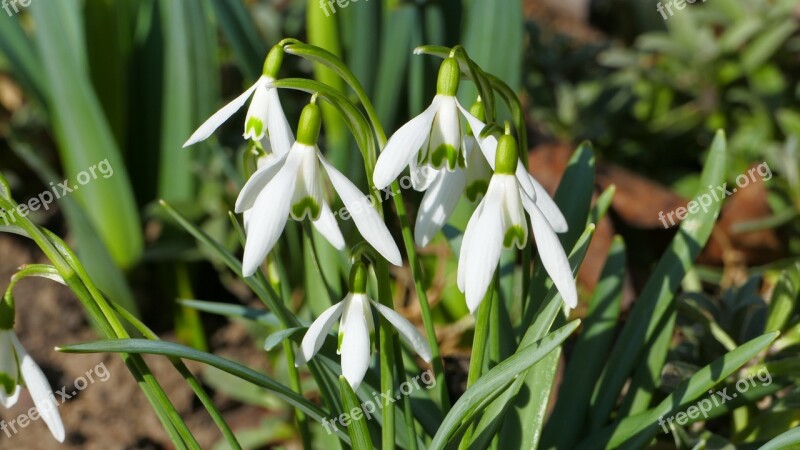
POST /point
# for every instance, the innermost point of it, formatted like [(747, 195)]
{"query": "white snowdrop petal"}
[(445, 130), (318, 331), (485, 246), (404, 146), (213, 122), (438, 203), (407, 330), (280, 132), (257, 112), (257, 182), (465, 245), (549, 208), (355, 347), (41, 392), (367, 220), (9, 400), (554, 258), (269, 217), (328, 228), (488, 147)]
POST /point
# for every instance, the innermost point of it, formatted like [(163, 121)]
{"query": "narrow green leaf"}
[(636, 431), (82, 132), (589, 355), (357, 427), (144, 346), (465, 409), (237, 311), (238, 28), (660, 289), (782, 303)]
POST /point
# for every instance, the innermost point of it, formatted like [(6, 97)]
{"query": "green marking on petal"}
[(254, 126), (476, 190), (7, 383), (339, 343), (445, 153), (515, 234), (307, 206)]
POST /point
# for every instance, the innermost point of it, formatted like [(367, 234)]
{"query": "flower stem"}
[(479, 348), (386, 355), (294, 383)]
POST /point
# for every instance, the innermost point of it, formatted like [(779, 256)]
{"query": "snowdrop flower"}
[(265, 115), (446, 187), (499, 222), (292, 186), (355, 328), (18, 368), (532, 188), (433, 138)]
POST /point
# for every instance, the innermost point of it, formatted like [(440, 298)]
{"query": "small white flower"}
[(446, 188), (293, 186), (265, 116), (17, 367), (355, 328), (499, 222)]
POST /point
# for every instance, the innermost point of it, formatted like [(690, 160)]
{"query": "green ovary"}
[(306, 206), (514, 234), (442, 153), (255, 126)]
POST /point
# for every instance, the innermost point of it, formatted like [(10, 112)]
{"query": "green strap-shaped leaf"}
[(82, 132), (357, 426), (660, 290), (589, 355), (144, 346), (489, 385), (636, 431)]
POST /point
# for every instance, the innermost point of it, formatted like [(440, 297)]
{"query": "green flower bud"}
[(310, 124), (272, 65), (506, 158), (449, 76), (358, 278)]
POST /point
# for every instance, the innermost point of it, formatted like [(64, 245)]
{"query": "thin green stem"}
[(294, 383), (408, 414), (479, 341), (387, 359)]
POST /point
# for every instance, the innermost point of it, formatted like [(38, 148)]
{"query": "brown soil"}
[(111, 414)]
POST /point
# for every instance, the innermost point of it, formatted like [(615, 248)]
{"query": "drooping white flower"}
[(355, 328), (444, 188), (532, 188), (18, 368), (433, 138), (499, 222), (265, 116), (292, 186)]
